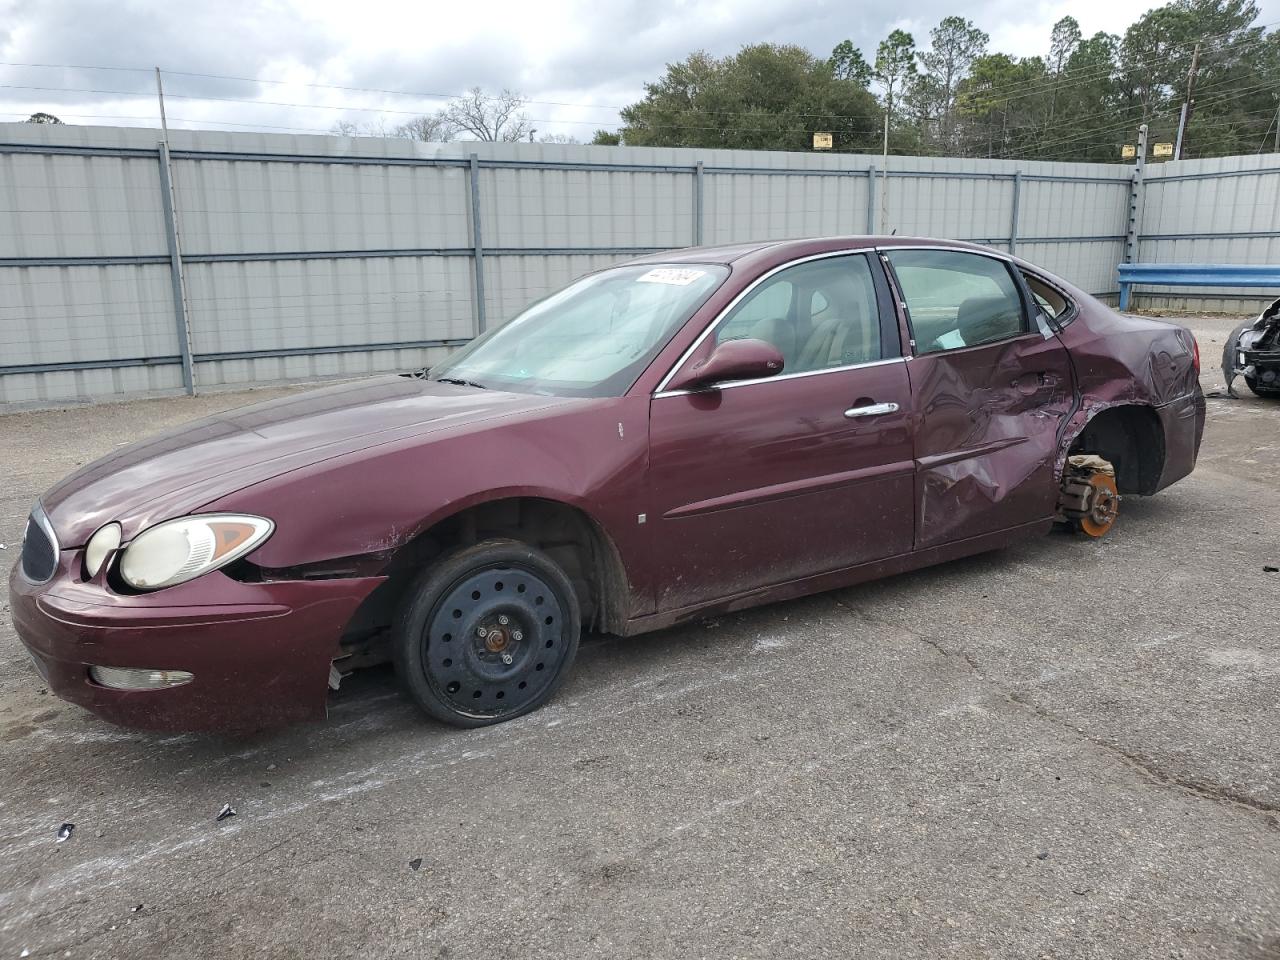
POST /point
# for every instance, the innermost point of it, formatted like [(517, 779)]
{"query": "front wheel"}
[(487, 634)]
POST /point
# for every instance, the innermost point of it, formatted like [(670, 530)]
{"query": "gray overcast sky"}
[(578, 59)]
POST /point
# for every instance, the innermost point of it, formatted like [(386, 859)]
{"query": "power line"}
[(1124, 123)]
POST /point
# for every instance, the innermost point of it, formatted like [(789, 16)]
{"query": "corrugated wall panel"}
[(66, 206), (77, 314), (1057, 209), (289, 304), (326, 194), (1180, 217), (581, 208), (744, 207), (960, 209), (256, 207), (87, 386)]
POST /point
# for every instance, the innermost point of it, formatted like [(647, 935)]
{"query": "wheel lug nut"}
[(482, 632), (504, 620), (517, 635), (506, 658)]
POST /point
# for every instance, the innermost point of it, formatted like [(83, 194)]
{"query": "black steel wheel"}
[(487, 634)]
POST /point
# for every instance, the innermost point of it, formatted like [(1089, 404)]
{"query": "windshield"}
[(593, 338)]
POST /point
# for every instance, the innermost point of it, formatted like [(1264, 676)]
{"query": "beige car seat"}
[(835, 342)]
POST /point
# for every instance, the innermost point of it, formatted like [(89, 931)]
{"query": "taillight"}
[(1195, 353)]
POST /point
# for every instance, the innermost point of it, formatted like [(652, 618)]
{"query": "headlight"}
[(99, 548), (180, 550)]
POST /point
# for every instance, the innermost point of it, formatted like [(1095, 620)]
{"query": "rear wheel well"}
[(566, 534), (1130, 438)]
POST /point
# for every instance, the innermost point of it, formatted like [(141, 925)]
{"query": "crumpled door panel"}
[(989, 422)]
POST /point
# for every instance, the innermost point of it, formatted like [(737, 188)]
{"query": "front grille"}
[(39, 550)]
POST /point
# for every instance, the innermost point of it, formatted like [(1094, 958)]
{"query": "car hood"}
[(182, 469)]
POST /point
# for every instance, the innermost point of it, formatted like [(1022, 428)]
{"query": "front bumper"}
[(259, 652)]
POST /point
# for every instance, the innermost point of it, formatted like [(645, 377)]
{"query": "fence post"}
[(1135, 198), (477, 245), (1013, 220), (871, 199), (176, 277), (697, 204)]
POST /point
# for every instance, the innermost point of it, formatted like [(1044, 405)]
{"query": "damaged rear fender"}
[(1130, 436)]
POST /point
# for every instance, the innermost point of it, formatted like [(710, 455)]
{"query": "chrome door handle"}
[(871, 410)]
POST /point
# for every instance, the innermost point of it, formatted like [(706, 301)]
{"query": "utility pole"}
[(164, 124), (1185, 115), (884, 167)]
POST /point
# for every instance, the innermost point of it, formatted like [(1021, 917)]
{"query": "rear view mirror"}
[(732, 360)]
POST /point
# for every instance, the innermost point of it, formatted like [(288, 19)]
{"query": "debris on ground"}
[(1042, 855), (415, 863), (135, 909), (64, 832), (1268, 568), (225, 812)]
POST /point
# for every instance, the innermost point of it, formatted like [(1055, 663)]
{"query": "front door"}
[(991, 393), (767, 481)]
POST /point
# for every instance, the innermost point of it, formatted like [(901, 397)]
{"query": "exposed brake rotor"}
[(1089, 500)]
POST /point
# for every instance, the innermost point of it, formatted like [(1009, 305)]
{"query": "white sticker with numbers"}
[(678, 276)]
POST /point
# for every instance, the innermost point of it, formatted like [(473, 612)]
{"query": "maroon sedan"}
[(699, 431)]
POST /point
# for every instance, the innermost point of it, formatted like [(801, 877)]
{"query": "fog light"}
[(132, 678)]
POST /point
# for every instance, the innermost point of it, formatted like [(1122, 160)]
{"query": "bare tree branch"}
[(491, 119)]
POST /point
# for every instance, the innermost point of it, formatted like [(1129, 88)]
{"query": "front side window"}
[(593, 338), (819, 314), (957, 299)]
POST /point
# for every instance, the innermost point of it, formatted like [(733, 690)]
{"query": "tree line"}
[(1082, 100)]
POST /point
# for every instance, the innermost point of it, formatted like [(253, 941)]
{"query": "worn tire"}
[(461, 676)]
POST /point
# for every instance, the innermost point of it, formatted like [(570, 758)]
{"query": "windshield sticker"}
[(679, 276)]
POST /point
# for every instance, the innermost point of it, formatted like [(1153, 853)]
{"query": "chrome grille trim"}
[(39, 548)]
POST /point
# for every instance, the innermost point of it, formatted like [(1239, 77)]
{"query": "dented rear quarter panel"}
[(1125, 360)]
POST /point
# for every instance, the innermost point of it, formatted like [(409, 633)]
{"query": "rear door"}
[(763, 482), (991, 393)]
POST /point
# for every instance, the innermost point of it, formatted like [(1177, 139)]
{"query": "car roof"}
[(779, 251)]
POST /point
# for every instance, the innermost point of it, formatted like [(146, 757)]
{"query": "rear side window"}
[(955, 299)]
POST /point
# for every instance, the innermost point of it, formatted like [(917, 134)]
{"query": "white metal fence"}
[(231, 259)]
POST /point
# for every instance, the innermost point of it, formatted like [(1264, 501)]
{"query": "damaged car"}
[(694, 432), (1253, 352)]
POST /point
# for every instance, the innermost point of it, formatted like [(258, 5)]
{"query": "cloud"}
[(596, 55)]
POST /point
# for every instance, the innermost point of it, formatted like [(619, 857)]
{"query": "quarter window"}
[(1047, 298), (819, 314), (956, 299)]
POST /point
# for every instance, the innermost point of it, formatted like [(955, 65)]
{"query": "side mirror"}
[(731, 360)]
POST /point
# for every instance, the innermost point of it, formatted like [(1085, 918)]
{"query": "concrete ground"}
[(1064, 749)]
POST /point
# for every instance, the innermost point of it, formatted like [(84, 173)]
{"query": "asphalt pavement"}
[(1063, 749)]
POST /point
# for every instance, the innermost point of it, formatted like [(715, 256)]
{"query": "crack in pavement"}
[(1203, 789), (1200, 788)]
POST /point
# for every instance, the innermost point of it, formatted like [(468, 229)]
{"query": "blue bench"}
[(1195, 275)]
